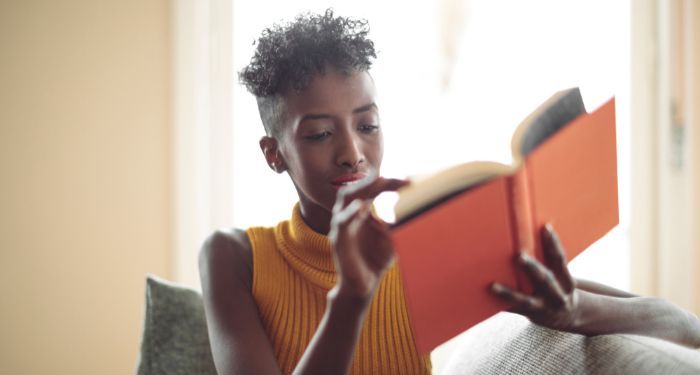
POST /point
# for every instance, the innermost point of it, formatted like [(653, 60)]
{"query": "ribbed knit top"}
[(292, 273)]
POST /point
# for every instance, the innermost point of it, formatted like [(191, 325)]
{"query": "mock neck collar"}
[(306, 250)]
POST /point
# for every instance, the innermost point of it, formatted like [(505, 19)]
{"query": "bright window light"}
[(444, 103)]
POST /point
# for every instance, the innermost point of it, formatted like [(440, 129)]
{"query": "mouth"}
[(348, 179)]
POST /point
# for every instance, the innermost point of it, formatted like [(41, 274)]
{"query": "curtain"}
[(202, 135), (665, 151)]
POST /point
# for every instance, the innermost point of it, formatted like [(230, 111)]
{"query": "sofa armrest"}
[(509, 344)]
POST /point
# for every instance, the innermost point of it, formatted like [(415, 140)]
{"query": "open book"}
[(458, 230)]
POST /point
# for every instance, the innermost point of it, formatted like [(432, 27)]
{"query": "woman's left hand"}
[(555, 302)]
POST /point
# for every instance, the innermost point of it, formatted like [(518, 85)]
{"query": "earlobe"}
[(270, 149), (278, 166)]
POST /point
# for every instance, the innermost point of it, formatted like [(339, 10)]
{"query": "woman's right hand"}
[(362, 247)]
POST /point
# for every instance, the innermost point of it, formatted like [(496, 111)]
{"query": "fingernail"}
[(498, 288), (525, 258), (550, 229)]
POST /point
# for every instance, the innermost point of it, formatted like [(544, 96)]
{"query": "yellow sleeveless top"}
[(292, 273)]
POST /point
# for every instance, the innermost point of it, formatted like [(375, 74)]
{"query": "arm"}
[(333, 345), (238, 341), (598, 288), (362, 253), (602, 314), (590, 308)]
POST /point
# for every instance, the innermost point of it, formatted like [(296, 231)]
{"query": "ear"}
[(270, 148)]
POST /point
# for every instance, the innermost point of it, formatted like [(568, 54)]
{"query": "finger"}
[(343, 224), (372, 188), (543, 280), (555, 258), (361, 217), (343, 217), (521, 302), (380, 250), (352, 217), (375, 248), (368, 189)]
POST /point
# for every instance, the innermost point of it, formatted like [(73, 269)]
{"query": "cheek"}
[(376, 151), (306, 164), (294, 162)]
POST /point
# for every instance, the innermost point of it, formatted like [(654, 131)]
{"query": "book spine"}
[(521, 222)]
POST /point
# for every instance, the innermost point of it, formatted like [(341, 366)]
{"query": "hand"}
[(362, 248), (555, 302)]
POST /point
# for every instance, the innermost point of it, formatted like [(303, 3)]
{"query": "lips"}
[(347, 179)]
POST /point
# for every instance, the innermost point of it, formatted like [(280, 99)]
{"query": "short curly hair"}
[(290, 55)]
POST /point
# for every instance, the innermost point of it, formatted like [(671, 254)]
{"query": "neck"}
[(315, 216)]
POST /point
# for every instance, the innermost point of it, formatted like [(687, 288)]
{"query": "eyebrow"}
[(323, 116), (365, 108)]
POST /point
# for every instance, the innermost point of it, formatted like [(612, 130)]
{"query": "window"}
[(469, 72)]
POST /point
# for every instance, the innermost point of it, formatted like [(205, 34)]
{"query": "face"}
[(330, 137)]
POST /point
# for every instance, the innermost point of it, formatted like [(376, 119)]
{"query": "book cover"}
[(453, 244)]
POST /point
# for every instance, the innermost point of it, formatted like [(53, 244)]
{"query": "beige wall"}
[(84, 180), (694, 44)]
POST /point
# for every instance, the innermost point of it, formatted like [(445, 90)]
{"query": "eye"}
[(318, 136), (368, 129)]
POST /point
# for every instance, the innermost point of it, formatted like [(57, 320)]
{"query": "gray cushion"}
[(175, 339), (510, 344)]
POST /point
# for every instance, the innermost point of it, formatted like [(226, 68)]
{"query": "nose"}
[(349, 151)]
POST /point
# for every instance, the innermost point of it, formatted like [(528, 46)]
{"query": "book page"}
[(556, 112), (427, 190)]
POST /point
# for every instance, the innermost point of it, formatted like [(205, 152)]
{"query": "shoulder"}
[(239, 342), (227, 251), (232, 239)]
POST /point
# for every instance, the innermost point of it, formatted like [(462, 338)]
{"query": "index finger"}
[(555, 258), (369, 188)]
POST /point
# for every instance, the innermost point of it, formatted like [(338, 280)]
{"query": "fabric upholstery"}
[(510, 344), (175, 339)]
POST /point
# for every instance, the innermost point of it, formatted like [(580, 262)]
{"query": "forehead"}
[(333, 93)]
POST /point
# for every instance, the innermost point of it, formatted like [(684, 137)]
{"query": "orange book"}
[(458, 231)]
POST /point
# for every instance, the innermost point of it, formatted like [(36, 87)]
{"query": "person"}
[(320, 292)]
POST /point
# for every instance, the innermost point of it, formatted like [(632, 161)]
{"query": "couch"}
[(175, 341)]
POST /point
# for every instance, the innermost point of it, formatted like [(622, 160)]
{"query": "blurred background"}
[(125, 139)]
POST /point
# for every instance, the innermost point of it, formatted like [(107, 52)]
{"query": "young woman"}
[(320, 293)]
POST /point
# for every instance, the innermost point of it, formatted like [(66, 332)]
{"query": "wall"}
[(693, 44), (85, 180)]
